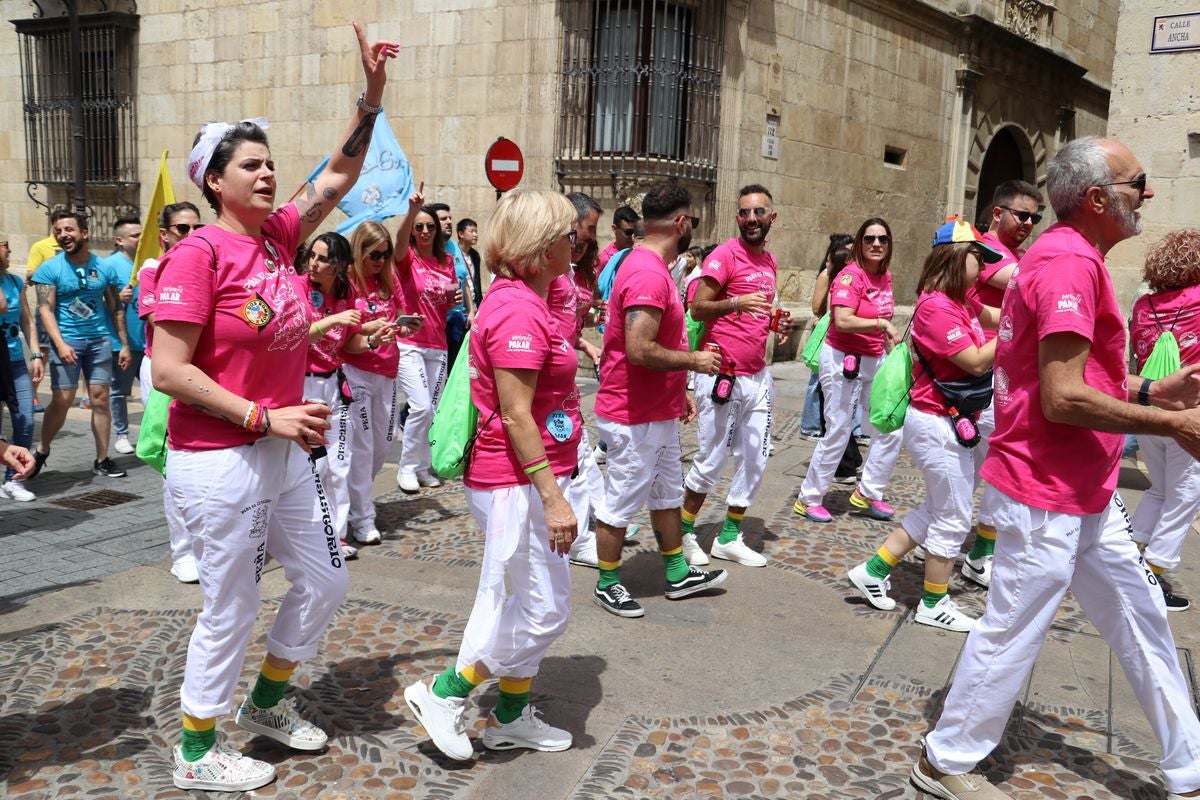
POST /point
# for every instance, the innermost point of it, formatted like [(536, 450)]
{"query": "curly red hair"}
[(1174, 263)]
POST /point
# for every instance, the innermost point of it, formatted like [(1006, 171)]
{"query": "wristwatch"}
[(32, 356)]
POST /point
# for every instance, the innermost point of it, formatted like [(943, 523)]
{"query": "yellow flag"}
[(162, 196)]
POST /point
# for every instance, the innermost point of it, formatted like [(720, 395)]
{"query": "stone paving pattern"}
[(89, 704)]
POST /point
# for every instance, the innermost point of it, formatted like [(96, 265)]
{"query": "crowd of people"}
[(295, 360)]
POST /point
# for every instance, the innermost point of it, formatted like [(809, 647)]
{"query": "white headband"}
[(210, 136)]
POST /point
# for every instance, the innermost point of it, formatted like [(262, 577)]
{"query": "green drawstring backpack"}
[(890, 389)]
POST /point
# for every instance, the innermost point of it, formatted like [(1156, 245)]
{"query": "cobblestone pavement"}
[(89, 703)]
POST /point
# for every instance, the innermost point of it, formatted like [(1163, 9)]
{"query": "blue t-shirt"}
[(608, 276), (460, 272), (121, 265), (10, 322), (80, 309)]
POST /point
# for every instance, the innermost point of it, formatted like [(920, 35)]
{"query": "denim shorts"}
[(93, 356)]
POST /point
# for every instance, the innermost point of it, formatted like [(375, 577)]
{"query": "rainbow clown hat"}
[(958, 230)]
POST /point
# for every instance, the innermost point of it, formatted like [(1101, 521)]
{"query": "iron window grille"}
[(641, 89)]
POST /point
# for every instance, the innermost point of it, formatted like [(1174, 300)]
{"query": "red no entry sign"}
[(504, 164)]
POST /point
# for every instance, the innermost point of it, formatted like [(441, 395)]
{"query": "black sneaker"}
[(616, 600), (697, 580), (1174, 602), (108, 468), (39, 461)]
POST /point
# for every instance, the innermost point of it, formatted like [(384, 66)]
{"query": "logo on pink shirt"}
[(522, 343), (257, 313), (1069, 302)]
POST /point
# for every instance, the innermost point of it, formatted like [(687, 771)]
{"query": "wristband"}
[(1144, 392), (266, 421), (538, 467), (370, 343), (249, 414), (36, 356), (367, 107)]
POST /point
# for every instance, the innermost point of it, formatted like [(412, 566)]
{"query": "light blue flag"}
[(383, 187)]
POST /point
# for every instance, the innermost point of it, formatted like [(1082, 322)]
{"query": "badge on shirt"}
[(81, 309), (257, 313), (846, 279), (317, 299), (560, 426)]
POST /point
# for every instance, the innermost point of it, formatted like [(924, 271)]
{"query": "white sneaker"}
[(978, 571), (370, 536), (527, 730), (429, 479), (282, 723), (944, 615), (185, 570), (221, 769), (349, 551), (874, 589), (408, 483), (123, 446), (583, 553), (738, 551), (17, 491), (442, 719), (599, 456), (693, 552)]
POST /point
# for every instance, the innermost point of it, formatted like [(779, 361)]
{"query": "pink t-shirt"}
[(562, 300), (325, 354), (375, 303), (742, 337), (941, 328), (426, 288), (1177, 311), (606, 254), (585, 295), (628, 393), (983, 291), (867, 296), (147, 285), (1061, 286), (514, 330), (254, 317)]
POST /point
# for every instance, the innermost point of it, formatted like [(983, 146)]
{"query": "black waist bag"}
[(968, 395)]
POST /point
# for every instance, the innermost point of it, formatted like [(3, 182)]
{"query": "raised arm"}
[(404, 235), (346, 163)]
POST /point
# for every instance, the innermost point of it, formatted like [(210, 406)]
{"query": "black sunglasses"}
[(379, 255), (425, 226), (694, 220), (1023, 216), (1138, 183), (882, 239), (183, 229)]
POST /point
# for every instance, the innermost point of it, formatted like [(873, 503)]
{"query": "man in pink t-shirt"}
[(735, 295), (642, 397), (1061, 386)]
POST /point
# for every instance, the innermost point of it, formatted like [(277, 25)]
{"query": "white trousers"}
[(643, 469), (1039, 555), (177, 534), (371, 424), (987, 426), (335, 467), (241, 504), (524, 597), (422, 376), (841, 408), (1165, 514), (741, 427), (586, 493), (943, 520)]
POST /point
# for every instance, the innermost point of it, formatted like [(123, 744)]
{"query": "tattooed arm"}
[(641, 332), (346, 162), (47, 295)]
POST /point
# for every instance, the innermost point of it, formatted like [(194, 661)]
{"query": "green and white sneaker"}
[(282, 723), (221, 769)]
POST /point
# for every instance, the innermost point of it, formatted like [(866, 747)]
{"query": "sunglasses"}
[(882, 239), (1024, 216), (626, 232), (694, 220), (758, 211), (1138, 183), (379, 255), (425, 226), (183, 229)]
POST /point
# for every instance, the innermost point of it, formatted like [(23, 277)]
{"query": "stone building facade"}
[(906, 109)]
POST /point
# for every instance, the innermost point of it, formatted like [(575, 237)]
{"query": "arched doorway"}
[(1004, 161)]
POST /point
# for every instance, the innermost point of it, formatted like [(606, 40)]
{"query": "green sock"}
[(676, 564), (731, 528), (880, 565), (199, 736), (985, 542), (271, 684), (934, 592), (514, 696), (687, 521), (610, 574), (452, 684)]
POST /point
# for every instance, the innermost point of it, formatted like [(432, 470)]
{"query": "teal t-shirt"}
[(80, 309), (121, 265), (460, 272), (10, 322)]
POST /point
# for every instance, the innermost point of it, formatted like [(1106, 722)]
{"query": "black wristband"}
[(1144, 392)]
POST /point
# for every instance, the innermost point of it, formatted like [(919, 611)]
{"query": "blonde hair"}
[(1174, 263), (523, 226), (367, 237)]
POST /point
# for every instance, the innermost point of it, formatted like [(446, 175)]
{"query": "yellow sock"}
[(471, 676), (1157, 570), (515, 685), (934, 592), (273, 673), (199, 724)]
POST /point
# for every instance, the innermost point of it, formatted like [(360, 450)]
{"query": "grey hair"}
[(584, 204), (1078, 166)]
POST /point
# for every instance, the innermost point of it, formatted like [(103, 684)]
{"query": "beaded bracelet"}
[(250, 413)]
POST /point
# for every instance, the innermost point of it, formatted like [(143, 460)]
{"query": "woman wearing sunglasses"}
[(860, 332), (371, 373), (428, 288), (517, 478)]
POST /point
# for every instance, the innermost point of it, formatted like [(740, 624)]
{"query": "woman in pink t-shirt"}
[(1165, 514), (231, 345), (947, 332), (523, 383), (429, 288), (859, 333)]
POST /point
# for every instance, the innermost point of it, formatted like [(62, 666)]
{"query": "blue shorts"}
[(93, 356)]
